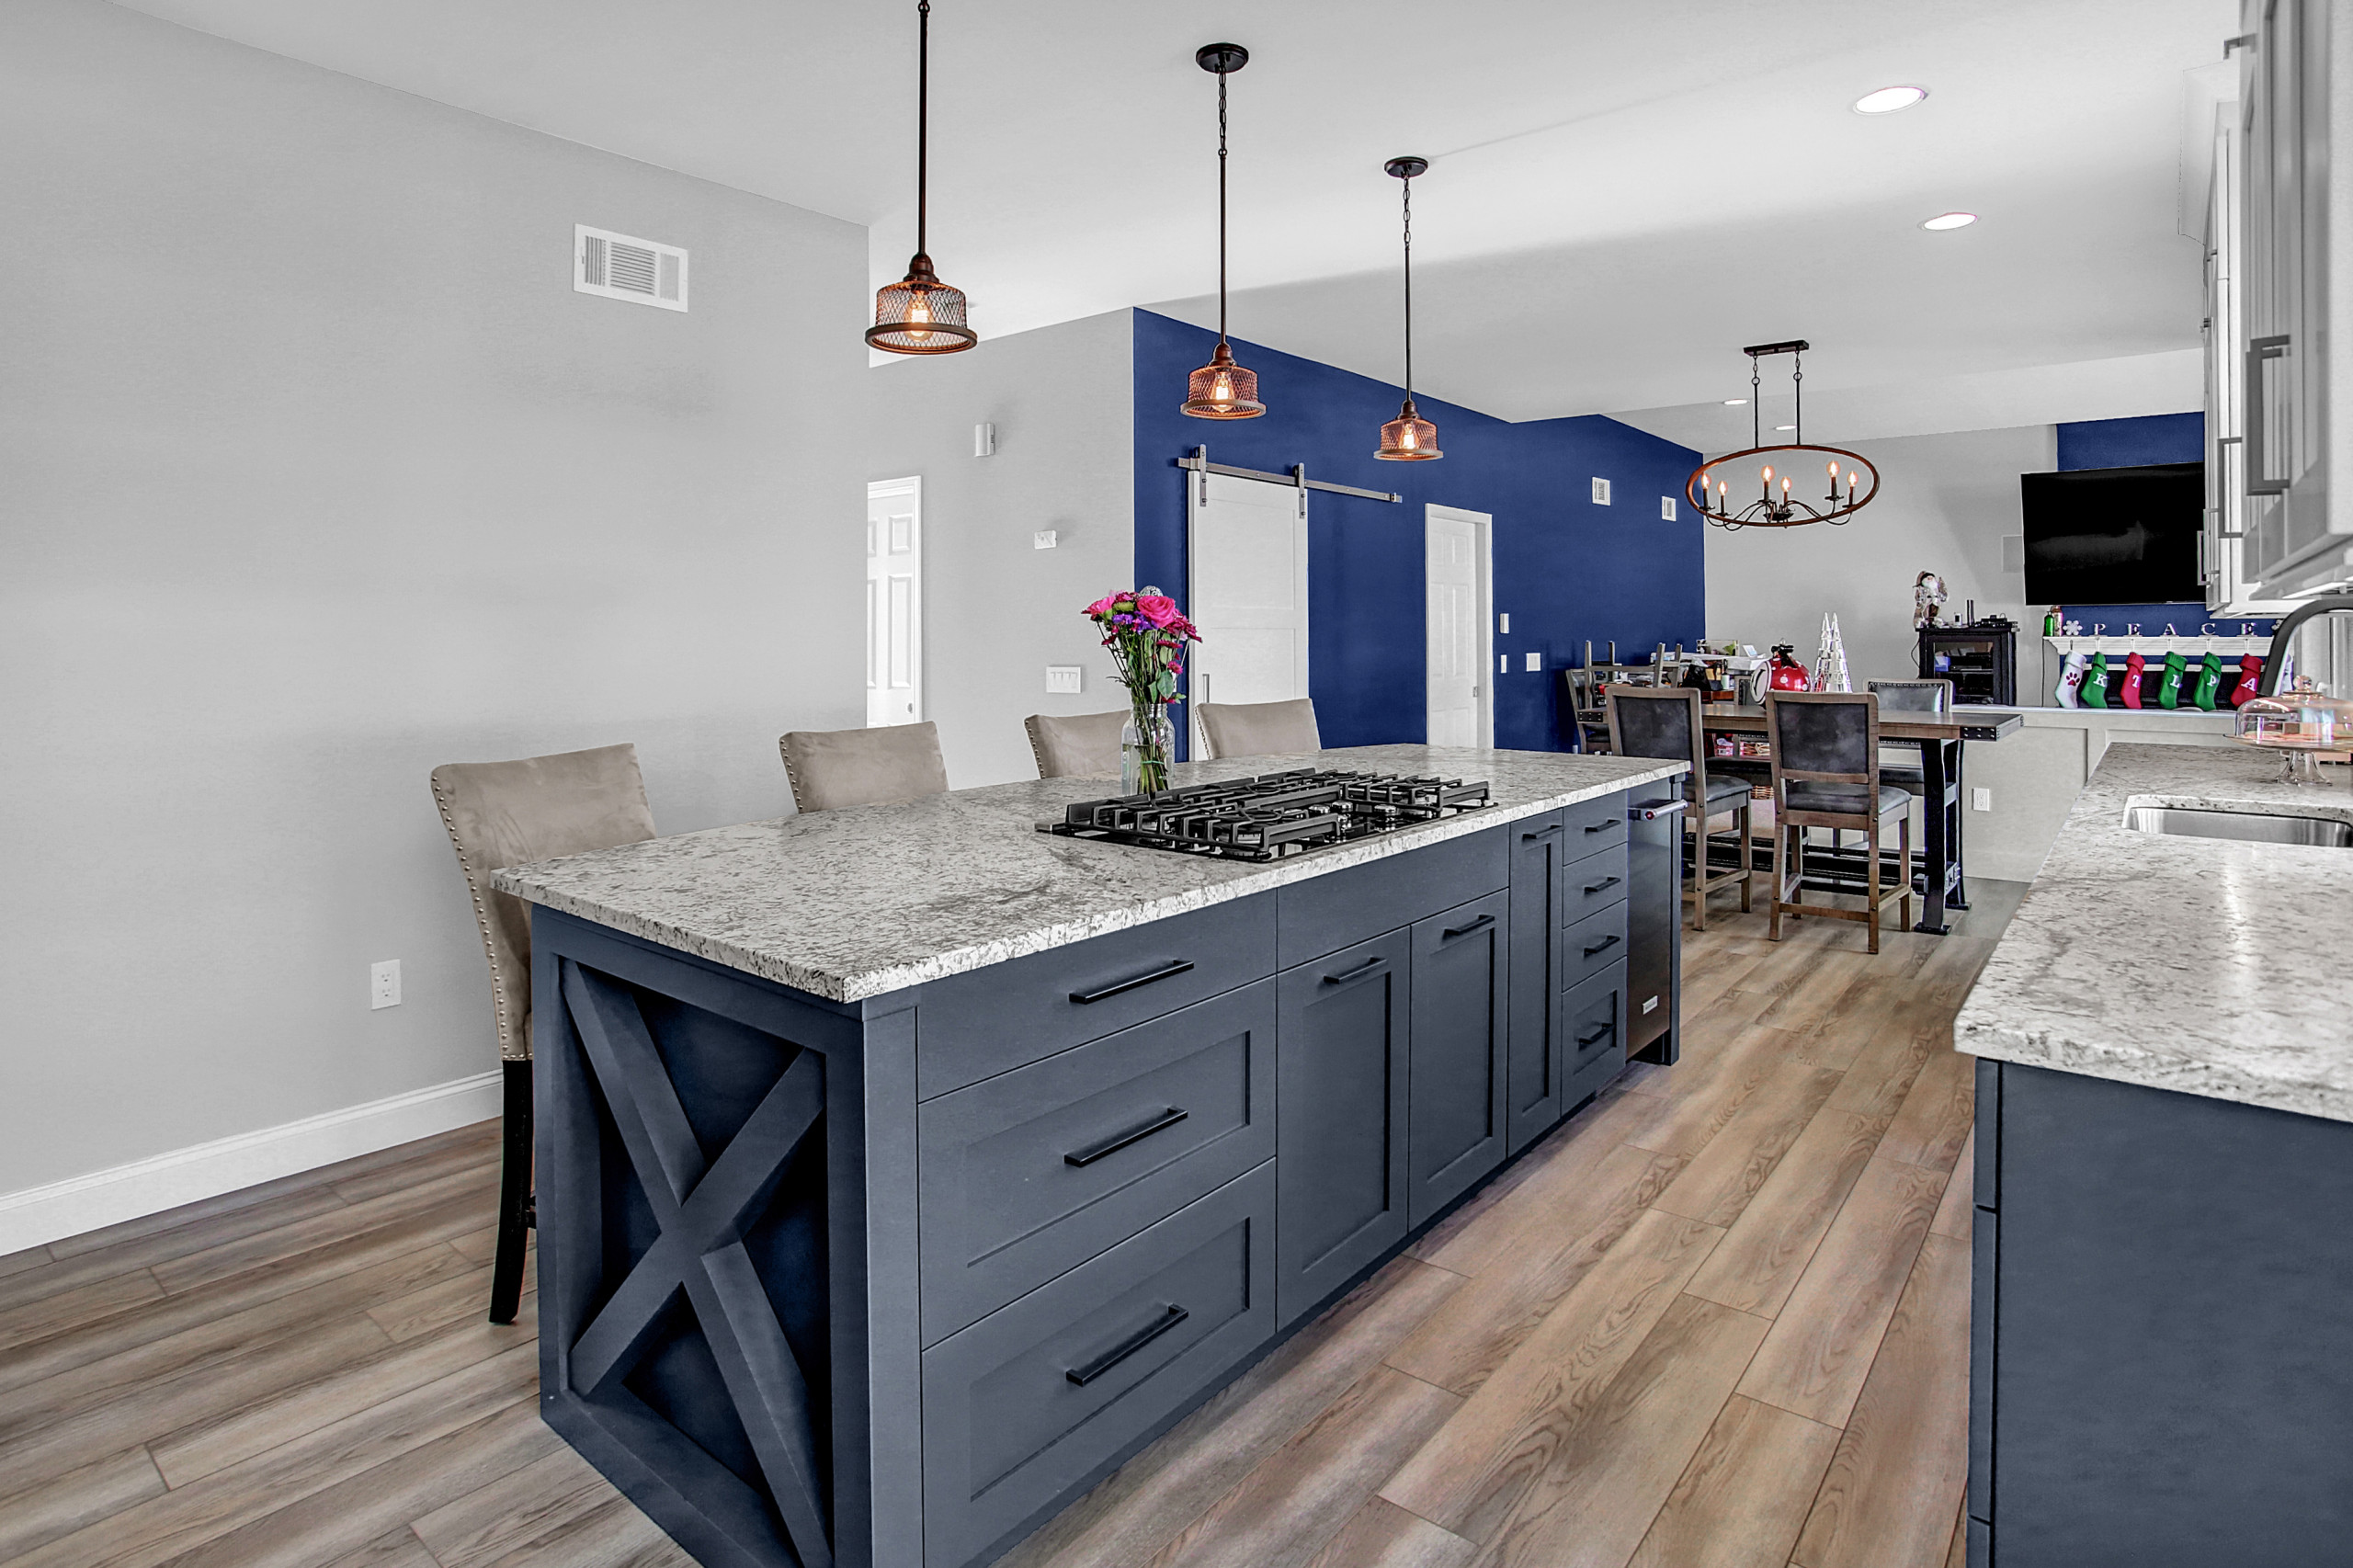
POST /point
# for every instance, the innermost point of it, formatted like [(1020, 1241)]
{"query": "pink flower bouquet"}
[(1147, 635)]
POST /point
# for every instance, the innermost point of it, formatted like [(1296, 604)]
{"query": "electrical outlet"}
[(1503, 622), (1981, 799), (1535, 660), (1062, 680), (384, 985), (1042, 540)]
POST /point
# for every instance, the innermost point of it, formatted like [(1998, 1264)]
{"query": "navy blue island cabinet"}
[(886, 1284), (2161, 1362)]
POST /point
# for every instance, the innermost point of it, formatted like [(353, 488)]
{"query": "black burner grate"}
[(1271, 815)]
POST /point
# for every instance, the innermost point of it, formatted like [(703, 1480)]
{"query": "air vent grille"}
[(622, 266)]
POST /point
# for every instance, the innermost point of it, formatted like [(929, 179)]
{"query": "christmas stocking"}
[(2133, 664)]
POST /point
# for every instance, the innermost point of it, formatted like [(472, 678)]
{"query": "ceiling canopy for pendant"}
[(1222, 389), (1850, 482), (919, 314), (1409, 438)]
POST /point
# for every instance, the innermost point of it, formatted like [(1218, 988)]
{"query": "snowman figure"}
[(1927, 595)]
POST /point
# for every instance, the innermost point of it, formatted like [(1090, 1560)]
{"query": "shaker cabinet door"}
[(1340, 1117), (1532, 1075), (1454, 1119)]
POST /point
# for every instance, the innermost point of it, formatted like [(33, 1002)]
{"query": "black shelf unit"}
[(1981, 661)]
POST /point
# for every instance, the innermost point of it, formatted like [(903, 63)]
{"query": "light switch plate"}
[(1535, 660), (1042, 540), (1062, 680), (1503, 622), (1502, 664)]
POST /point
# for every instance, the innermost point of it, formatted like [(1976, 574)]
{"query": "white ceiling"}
[(1620, 196)]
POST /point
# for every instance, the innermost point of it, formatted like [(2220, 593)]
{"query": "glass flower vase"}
[(1147, 746)]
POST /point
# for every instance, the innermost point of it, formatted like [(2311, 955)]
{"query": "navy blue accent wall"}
[(1566, 570), (2128, 443)]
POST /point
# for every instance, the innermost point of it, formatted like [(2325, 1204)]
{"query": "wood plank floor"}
[(1717, 1320)]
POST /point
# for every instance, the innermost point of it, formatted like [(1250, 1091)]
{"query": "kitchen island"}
[(903, 1169), (2162, 1319)]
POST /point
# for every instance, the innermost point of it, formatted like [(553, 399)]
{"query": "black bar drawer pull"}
[(1119, 1141), (1179, 967), (1602, 827), (1604, 1032), (1357, 973), (1539, 832), (1604, 945), (1479, 925), (1592, 888), (1084, 1375)]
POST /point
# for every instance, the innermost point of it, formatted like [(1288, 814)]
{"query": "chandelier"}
[(1721, 488)]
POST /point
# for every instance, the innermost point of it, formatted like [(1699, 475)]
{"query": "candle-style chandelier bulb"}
[(1222, 389), (1409, 438)]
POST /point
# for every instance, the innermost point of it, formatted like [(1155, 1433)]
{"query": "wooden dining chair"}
[(831, 768), (1082, 745), (1260, 729), (1825, 773), (508, 814), (1665, 722)]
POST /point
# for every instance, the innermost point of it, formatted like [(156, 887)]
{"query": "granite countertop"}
[(2205, 966), (853, 903)]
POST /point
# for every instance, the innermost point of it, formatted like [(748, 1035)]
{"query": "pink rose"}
[(1157, 608)]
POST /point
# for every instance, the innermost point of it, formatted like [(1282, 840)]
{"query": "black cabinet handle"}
[(1592, 888), (1119, 1141), (1479, 925), (1539, 832), (1604, 945), (1179, 967), (1602, 827), (1357, 973), (1604, 1032), (1084, 1375)]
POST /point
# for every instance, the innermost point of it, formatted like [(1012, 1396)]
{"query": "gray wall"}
[(997, 610), (315, 472), (1945, 503)]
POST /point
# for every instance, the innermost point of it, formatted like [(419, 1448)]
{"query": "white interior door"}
[(1460, 665), (894, 602), (1248, 593)]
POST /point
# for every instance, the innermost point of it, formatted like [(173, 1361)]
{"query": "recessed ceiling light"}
[(1887, 100), (1736, 403), (1951, 221)]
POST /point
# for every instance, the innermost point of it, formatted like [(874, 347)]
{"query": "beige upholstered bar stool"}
[(1825, 773), (1260, 729), (506, 814), (1664, 721), (1084, 745), (832, 768)]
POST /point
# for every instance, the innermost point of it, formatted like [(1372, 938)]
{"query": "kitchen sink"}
[(2247, 827)]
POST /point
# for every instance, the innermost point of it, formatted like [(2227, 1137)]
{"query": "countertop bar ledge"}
[(855, 904)]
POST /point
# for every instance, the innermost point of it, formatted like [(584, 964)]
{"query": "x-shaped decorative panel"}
[(701, 1208)]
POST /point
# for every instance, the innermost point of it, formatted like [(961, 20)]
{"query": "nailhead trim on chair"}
[(481, 922)]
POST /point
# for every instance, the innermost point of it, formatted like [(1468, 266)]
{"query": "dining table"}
[(1940, 737)]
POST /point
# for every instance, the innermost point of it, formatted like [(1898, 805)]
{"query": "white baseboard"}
[(69, 1208)]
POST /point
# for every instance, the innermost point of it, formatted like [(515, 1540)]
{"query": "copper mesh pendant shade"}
[(1409, 438), (1222, 389), (919, 314)]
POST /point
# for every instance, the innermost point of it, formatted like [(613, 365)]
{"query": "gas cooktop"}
[(1271, 815)]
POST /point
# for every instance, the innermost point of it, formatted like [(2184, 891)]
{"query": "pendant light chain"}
[(1409, 285)]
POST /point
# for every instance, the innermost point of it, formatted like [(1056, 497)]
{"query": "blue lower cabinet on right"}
[(1455, 1114), (1594, 1030)]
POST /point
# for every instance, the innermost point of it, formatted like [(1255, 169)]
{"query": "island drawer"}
[(1328, 913), (1592, 825), (989, 1020), (1032, 1172), (1032, 1400), (1594, 882), (1592, 945), (1596, 1042)]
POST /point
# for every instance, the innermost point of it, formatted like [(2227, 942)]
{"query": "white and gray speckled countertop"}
[(2205, 966), (855, 903)]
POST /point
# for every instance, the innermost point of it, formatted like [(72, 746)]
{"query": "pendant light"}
[(920, 314), (1409, 438), (1222, 389)]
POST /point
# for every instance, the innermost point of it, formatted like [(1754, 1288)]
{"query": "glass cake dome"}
[(2303, 724)]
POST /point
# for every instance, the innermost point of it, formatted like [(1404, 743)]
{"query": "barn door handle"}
[(1086, 1374), (1179, 967), (1119, 1141)]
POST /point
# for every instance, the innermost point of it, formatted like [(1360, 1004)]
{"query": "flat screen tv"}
[(2114, 536)]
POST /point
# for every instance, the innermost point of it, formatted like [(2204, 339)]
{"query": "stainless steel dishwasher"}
[(1655, 929)]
